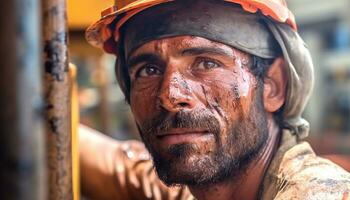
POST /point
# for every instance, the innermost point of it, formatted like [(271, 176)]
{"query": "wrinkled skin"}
[(198, 107)]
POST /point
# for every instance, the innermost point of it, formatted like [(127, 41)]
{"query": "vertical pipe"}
[(57, 99), (22, 159)]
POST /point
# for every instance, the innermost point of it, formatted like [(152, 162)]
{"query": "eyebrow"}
[(146, 57), (207, 50), (150, 57)]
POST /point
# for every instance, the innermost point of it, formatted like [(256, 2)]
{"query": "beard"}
[(194, 164)]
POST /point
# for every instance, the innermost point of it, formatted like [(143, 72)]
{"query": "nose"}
[(176, 94)]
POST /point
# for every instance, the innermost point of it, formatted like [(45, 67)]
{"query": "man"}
[(217, 89)]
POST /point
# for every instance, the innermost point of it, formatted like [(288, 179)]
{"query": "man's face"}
[(198, 108)]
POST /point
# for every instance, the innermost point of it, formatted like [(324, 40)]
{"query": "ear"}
[(275, 84)]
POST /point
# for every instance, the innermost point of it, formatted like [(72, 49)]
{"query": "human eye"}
[(207, 64), (149, 70)]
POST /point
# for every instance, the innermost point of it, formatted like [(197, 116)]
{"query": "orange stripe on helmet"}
[(276, 9)]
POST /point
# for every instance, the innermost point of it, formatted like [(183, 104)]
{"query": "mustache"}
[(165, 121)]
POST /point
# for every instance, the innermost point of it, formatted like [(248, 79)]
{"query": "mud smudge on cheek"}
[(242, 63), (235, 97), (216, 106), (213, 103), (236, 92), (244, 78), (205, 94), (239, 63), (207, 101), (236, 102)]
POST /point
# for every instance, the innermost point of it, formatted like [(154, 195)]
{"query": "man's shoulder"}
[(303, 175)]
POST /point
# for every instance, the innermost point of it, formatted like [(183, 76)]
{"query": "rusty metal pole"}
[(22, 159), (57, 99)]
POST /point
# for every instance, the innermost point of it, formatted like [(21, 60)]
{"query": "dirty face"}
[(198, 108)]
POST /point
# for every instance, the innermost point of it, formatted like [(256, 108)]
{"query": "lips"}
[(180, 136), (182, 131)]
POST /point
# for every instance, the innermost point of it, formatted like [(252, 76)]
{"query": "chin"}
[(187, 164), (197, 164)]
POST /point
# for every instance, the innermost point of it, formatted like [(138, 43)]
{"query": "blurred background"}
[(324, 25)]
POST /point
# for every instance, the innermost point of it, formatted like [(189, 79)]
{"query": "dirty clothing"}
[(295, 172)]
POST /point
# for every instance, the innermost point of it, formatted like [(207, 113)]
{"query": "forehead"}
[(176, 45)]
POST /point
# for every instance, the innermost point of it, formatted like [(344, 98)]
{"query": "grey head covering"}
[(300, 71), (215, 20), (229, 24)]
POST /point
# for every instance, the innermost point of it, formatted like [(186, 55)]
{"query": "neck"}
[(246, 186)]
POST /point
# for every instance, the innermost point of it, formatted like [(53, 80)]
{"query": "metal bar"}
[(22, 159), (57, 99)]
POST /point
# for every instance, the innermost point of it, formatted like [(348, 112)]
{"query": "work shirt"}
[(295, 172)]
